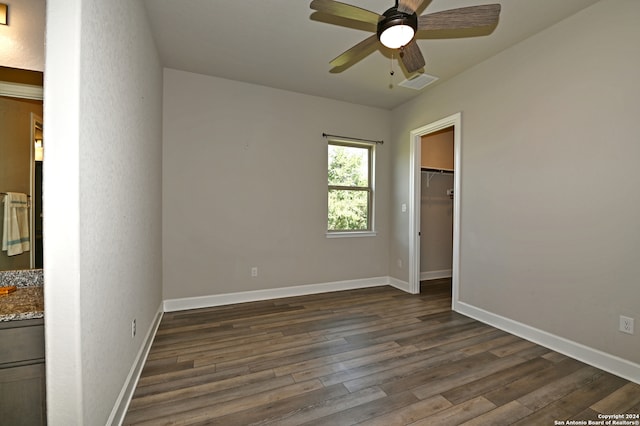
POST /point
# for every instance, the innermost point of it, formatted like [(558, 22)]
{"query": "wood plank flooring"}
[(369, 357)]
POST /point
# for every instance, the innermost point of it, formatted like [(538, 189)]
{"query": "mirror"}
[(22, 145)]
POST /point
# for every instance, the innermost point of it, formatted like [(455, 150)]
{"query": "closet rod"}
[(327, 135)]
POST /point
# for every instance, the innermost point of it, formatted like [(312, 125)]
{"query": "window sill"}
[(351, 234)]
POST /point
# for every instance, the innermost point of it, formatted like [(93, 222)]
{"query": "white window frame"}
[(370, 231)]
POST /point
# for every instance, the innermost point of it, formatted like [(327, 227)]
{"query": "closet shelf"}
[(431, 170)]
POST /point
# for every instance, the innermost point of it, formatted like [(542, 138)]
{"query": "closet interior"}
[(436, 207)]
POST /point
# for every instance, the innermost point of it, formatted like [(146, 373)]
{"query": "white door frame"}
[(454, 121)]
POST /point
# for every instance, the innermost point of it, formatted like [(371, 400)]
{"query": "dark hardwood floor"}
[(372, 357)]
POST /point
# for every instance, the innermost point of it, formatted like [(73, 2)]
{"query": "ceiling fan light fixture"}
[(396, 29), (397, 36)]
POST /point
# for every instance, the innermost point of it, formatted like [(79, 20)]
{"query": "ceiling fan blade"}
[(411, 57), (409, 6), (345, 11), (357, 52), (464, 17)]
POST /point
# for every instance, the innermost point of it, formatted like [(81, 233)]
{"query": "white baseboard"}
[(124, 398), (602, 360), (399, 284), (171, 305), (434, 275)]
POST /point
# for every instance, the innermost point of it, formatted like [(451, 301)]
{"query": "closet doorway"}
[(436, 207), (435, 210)]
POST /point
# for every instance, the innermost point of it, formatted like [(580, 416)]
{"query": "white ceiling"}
[(277, 43)]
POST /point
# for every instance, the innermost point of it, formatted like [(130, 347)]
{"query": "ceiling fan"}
[(397, 27)]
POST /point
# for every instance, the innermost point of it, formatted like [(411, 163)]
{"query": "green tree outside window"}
[(349, 178)]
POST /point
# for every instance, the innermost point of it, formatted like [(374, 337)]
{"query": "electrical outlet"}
[(626, 324), (254, 271), (133, 328)]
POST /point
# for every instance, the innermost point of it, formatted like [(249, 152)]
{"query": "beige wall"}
[(437, 150), (245, 184), (22, 41), (21, 46), (549, 199), (15, 160)]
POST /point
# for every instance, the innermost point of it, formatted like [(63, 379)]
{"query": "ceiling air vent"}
[(418, 81)]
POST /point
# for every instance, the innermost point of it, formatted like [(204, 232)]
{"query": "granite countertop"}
[(24, 303), (27, 302)]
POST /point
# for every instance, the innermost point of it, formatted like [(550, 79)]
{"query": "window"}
[(350, 183)]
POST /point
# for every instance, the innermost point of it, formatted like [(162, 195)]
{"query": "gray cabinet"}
[(22, 373)]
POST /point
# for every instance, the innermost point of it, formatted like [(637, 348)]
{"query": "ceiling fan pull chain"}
[(391, 71)]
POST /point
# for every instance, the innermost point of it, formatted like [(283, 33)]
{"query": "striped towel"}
[(15, 229)]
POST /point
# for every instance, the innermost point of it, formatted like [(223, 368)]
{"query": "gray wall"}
[(103, 105), (245, 184), (549, 198)]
